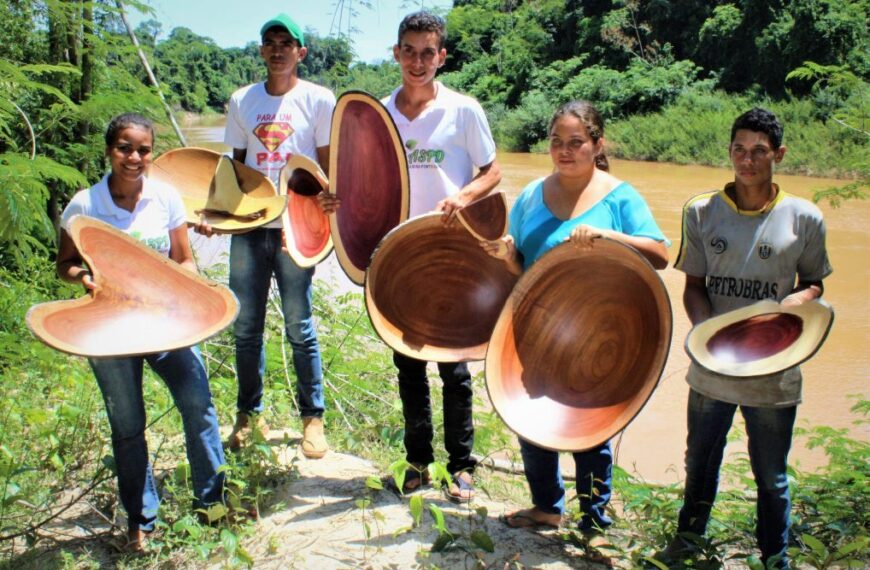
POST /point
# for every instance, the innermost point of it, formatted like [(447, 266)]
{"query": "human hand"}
[(203, 227), (793, 300), (449, 206), (504, 248), (582, 236), (328, 201)]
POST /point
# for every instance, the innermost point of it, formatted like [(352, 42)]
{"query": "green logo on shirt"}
[(423, 155)]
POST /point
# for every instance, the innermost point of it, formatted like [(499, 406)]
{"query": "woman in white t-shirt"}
[(154, 214)]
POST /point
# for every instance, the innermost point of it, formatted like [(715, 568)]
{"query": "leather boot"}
[(243, 430), (314, 444)]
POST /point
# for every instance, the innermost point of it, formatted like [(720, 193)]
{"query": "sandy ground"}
[(312, 519)]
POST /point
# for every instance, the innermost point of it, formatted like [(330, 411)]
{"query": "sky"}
[(234, 24)]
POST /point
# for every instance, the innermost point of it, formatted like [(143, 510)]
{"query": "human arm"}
[(70, 265), (486, 179), (179, 248), (695, 299), (654, 251), (804, 292)]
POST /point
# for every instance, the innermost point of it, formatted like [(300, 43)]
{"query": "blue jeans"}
[(594, 482), (769, 432), (417, 410), (120, 381), (254, 257)]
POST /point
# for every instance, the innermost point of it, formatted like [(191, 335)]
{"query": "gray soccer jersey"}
[(747, 256)]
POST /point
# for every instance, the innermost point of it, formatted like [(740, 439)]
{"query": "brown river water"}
[(654, 444)]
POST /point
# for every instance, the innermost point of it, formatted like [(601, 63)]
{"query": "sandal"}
[(461, 490), (134, 543), (416, 477), (527, 518)]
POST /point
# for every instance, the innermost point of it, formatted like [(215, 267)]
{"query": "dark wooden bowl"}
[(191, 171), (487, 218), (306, 227), (145, 303), (368, 172), (433, 293), (760, 339), (579, 346)]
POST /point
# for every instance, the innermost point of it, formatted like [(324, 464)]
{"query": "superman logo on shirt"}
[(273, 134)]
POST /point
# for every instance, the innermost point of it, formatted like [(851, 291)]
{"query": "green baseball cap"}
[(282, 20)]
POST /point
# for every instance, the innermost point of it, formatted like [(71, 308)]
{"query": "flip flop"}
[(520, 520), (416, 477), (461, 490)]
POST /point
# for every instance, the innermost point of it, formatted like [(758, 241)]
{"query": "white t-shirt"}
[(158, 211), (443, 144), (274, 128), (746, 257)]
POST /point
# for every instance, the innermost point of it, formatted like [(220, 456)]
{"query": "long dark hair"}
[(591, 119)]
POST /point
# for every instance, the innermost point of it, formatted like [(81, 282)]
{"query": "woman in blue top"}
[(154, 214), (580, 201)]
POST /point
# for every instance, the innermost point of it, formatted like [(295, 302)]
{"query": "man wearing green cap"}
[(267, 124)]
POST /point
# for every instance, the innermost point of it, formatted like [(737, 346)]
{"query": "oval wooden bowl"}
[(191, 171), (368, 172), (579, 346), (432, 293), (763, 338), (306, 228), (145, 303)]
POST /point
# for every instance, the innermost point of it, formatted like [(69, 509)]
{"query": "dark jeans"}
[(417, 408), (769, 432), (254, 258), (594, 474)]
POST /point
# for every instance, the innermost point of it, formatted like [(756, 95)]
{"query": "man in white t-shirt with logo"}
[(446, 137), (267, 124)]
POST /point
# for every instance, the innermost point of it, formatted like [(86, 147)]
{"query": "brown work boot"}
[(314, 444), (244, 429)]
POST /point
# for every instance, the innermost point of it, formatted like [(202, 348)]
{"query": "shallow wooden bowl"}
[(191, 171), (306, 228), (145, 302), (368, 172), (763, 338), (432, 292), (579, 346)]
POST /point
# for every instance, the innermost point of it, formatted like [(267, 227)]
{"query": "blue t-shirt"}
[(536, 230)]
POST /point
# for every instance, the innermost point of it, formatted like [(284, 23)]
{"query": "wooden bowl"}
[(432, 292), (579, 346), (306, 227), (145, 302), (193, 172), (487, 218), (368, 172), (760, 339)]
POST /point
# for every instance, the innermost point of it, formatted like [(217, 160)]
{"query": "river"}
[(654, 444)]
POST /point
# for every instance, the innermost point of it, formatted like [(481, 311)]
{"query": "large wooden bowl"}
[(145, 302), (368, 172), (192, 172), (432, 292), (306, 227), (579, 346), (760, 339)]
